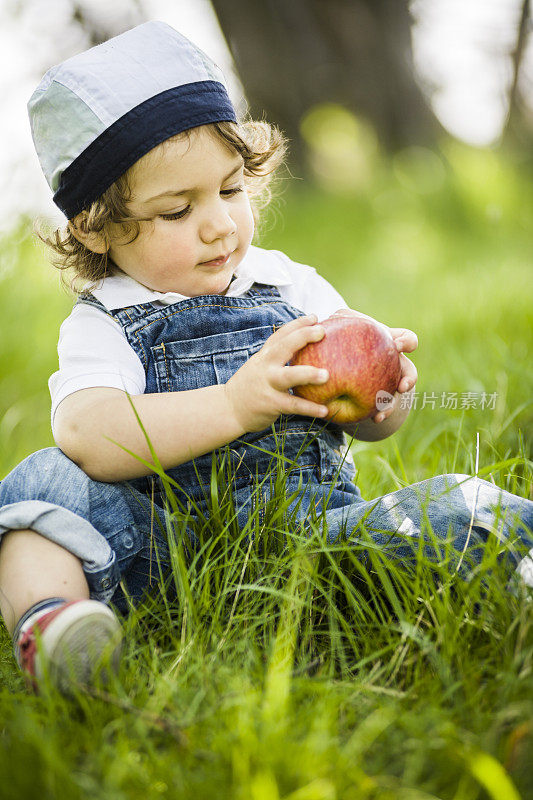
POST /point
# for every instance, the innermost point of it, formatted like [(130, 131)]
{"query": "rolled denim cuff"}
[(72, 532), (103, 582)]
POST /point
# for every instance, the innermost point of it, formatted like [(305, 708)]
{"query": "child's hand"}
[(259, 391), (406, 341)]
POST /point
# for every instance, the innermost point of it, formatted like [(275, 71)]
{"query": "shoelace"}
[(27, 648)]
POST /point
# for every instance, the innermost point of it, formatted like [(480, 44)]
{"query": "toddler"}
[(181, 316)]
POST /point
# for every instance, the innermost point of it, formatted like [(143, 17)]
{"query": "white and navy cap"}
[(97, 113)]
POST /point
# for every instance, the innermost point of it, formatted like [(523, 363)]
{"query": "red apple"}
[(362, 361)]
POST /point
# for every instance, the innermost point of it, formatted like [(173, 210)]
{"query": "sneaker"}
[(77, 643)]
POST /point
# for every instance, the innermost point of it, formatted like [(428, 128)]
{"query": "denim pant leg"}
[(459, 508), (106, 525)]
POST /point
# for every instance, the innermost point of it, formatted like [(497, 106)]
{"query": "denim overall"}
[(200, 342)]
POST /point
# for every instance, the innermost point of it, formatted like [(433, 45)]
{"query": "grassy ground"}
[(303, 673)]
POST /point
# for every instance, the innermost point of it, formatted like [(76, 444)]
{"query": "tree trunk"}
[(517, 130), (292, 54)]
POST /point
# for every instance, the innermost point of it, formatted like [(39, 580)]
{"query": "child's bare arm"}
[(187, 424), (180, 425)]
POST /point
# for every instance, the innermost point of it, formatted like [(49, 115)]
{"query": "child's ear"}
[(93, 240)]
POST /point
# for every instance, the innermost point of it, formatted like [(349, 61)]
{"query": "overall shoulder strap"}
[(264, 290), (86, 298)]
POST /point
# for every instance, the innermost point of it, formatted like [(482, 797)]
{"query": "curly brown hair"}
[(263, 148)]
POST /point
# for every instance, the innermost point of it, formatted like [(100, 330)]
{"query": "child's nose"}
[(217, 223)]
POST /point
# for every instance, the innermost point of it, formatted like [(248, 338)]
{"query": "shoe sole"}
[(82, 643)]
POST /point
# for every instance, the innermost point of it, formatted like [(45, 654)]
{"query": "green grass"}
[(290, 669)]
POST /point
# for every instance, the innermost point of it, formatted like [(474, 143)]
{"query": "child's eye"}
[(176, 214), (232, 191)]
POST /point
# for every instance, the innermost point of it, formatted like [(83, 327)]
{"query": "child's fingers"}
[(383, 415), (409, 374), (297, 405), (405, 340), (294, 324), (293, 336), (288, 377)]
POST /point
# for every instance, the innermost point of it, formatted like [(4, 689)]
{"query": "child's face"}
[(201, 223)]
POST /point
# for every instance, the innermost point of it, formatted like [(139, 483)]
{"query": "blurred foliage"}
[(32, 308)]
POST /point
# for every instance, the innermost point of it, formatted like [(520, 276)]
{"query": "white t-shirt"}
[(93, 350)]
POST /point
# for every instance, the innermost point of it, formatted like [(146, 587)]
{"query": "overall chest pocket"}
[(195, 363)]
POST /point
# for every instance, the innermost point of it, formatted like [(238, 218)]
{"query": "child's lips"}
[(216, 262)]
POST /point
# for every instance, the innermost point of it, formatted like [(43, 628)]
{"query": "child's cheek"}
[(178, 252), (247, 227), (169, 237)]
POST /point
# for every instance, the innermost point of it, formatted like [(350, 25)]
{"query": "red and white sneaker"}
[(76, 643)]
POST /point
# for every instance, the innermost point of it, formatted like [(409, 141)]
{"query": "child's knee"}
[(44, 475)]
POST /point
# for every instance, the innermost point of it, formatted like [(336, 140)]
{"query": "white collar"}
[(258, 265)]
